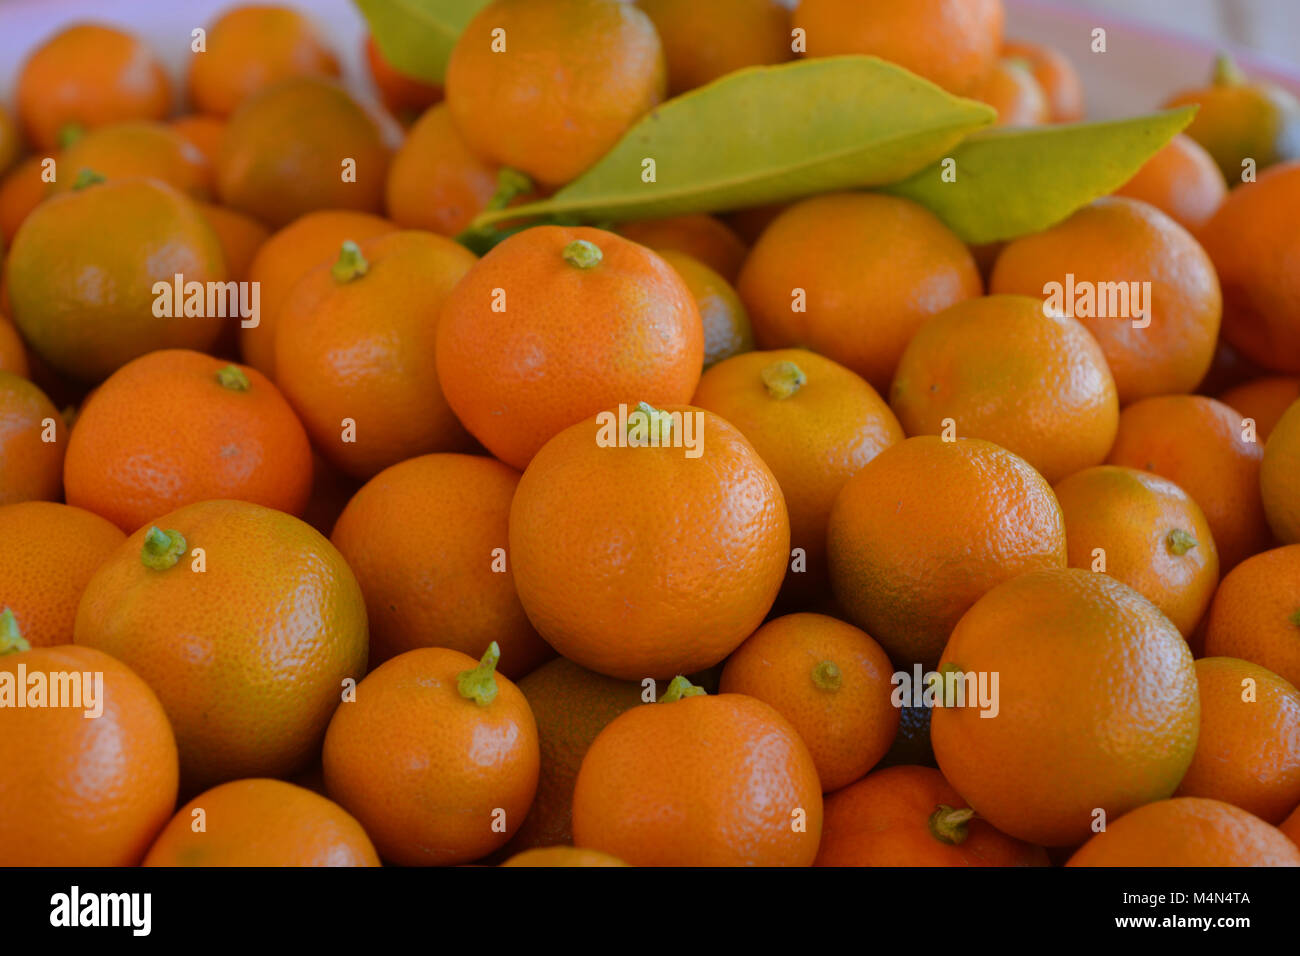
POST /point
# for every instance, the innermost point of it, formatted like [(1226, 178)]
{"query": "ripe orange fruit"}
[(705, 238), (262, 822), (1255, 614), (1055, 75), (954, 43), (301, 145), (1012, 90), (131, 234), (599, 61), (853, 276), (1196, 442), (562, 856), (830, 680), (705, 41), (926, 528), (634, 591), (13, 354), (1180, 180), (222, 431), (1064, 743), (51, 550), (720, 800), (1248, 752), (286, 257), (354, 351), (1279, 477), (427, 540), (1110, 243), (571, 705), (1150, 534), (78, 791), (725, 322), (1254, 247), (911, 816), (437, 757), (554, 325), (814, 423), (1263, 399), (138, 148), (202, 132), (1002, 370), (250, 48), (405, 97), (1239, 119), (435, 182), (247, 644), (31, 467), (85, 76), (21, 191), (1188, 831)]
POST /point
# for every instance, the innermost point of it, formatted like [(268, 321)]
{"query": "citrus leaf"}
[(416, 36), (1010, 182), (767, 134)]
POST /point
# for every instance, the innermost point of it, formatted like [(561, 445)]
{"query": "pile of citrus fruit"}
[(570, 463)]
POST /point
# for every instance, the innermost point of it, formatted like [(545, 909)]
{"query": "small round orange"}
[(681, 783), (1150, 534), (405, 97), (853, 276), (727, 331), (1263, 399), (51, 551), (437, 757), (1056, 76), (202, 132), (926, 528), (246, 623), (90, 792), (557, 323), (1255, 614), (262, 822), (562, 856), (1110, 244), (33, 439), (1182, 181), (706, 238), (830, 680), (704, 41), (1248, 752), (250, 47), (600, 63), (175, 427), (1199, 444), (1188, 831), (954, 43), (1012, 90), (435, 182), (634, 591), (137, 148), (1004, 369), (287, 256), (911, 816), (1279, 477), (814, 423), (427, 541), (85, 76), (1064, 742), (354, 343)]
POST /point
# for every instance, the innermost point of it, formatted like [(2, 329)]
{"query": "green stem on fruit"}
[(657, 423), (87, 177), (351, 264), (511, 183), (826, 675), (680, 687), (479, 684), (69, 133), (1179, 542), (162, 549), (1226, 72), (233, 378), (11, 639), (949, 825), (1295, 619), (783, 379), (582, 254)]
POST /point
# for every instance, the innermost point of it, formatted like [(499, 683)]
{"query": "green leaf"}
[(1010, 182), (769, 134), (416, 36)]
